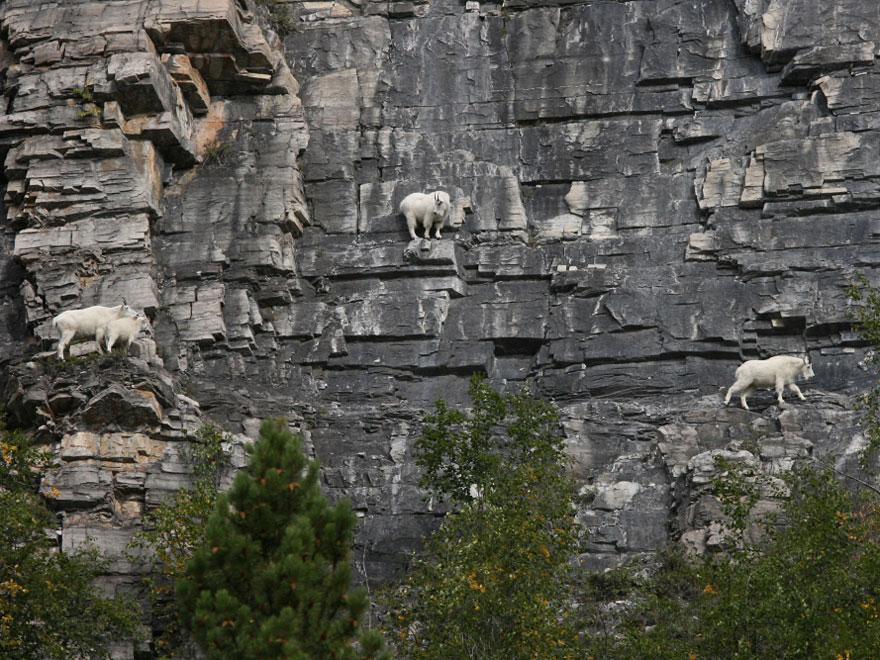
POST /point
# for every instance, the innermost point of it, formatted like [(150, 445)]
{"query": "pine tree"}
[(273, 578)]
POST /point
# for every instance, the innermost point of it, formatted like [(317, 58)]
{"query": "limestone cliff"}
[(652, 191)]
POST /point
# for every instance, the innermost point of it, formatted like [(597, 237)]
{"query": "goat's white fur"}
[(125, 329), (774, 372), (85, 323), (425, 209)]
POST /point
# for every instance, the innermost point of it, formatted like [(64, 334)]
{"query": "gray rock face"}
[(126, 178), (656, 191), (651, 193)]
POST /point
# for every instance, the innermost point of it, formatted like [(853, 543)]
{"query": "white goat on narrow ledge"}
[(124, 330), (86, 322), (774, 372), (428, 210)]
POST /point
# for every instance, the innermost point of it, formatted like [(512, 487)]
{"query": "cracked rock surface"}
[(651, 192)]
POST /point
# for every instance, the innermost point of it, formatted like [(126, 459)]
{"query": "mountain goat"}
[(86, 322), (774, 372), (428, 209), (125, 329)]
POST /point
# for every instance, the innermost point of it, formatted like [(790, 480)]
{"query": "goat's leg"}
[(746, 393), (780, 388), (66, 337), (411, 224), (737, 387), (794, 388)]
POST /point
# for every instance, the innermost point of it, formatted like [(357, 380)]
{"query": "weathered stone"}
[(118, 406), (190, 82)]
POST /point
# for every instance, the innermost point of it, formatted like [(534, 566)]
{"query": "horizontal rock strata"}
[(651, 192)]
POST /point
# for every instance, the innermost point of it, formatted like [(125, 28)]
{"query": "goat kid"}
[(125, 329)]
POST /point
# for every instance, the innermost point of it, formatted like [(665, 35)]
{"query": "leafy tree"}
[(48, 605), (272, 577), (808, 591), (494, 580), (173, 530)]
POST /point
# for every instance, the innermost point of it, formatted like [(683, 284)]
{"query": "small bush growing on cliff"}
[(88, 107), (216, 153), (174, 529), (272, 578), (279, 15), (494, 580), (49, 607)]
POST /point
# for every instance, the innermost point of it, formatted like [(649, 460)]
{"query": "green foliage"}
[(48, 605), (272, 576), (216, 153), (84, 94), (495, 579), (88, 108), (738, 489), (808, 590), (865, 310), (279, 15), (173, 530), (499, 440)]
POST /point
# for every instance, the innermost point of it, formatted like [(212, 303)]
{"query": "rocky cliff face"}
[(651, 192)]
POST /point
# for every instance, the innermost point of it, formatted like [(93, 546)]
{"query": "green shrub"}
[(809, 590), (495, 580)]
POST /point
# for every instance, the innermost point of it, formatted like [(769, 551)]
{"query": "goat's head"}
[(441, 203), (807, 369), (125, 310)]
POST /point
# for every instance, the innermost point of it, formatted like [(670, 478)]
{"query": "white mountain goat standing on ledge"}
[(427, 209), (124, 330), (775, 372), (86, 323)]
